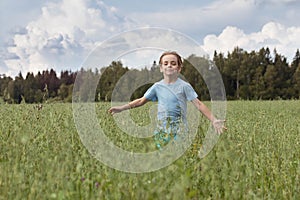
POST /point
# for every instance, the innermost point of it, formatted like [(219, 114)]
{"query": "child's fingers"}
[(219, 126), (111, 111)]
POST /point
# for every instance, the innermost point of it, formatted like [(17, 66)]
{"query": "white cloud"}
[(273, 35), (63, 35), (140, 47)]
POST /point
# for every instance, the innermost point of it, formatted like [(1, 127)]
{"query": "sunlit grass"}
[(42, 157)]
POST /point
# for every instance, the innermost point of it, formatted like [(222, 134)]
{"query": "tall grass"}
[(42, 157)]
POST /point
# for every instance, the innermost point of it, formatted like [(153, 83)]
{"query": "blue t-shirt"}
[(172, 98)]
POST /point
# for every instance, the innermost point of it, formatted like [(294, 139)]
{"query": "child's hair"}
[(179, 60)]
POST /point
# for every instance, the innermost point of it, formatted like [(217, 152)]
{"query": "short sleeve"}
[(190, 92), (150, 94)]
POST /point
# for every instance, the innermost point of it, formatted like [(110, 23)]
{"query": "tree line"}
[(255, 75)]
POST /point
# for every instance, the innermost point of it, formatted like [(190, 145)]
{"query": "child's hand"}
[(114, 110), (219, 126)]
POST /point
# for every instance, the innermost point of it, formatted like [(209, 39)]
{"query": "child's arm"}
[(217, 123), (135, 103)]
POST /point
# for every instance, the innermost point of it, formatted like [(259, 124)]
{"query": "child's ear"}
[(179, 69), (160, 68)]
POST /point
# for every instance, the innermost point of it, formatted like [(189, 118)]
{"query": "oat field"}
[(42, 157)]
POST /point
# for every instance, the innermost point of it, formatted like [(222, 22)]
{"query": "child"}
[(172, 94)]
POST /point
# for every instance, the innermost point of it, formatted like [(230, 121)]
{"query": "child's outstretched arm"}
[(217, 123), (135, 103)]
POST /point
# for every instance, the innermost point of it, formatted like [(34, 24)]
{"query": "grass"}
[(42, 157)]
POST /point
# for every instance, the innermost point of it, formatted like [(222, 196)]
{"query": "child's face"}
[(169, 65)]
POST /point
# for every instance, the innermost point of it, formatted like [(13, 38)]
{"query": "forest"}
[(255, 75)]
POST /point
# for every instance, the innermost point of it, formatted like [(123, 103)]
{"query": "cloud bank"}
[(274, 35), (66, 31), (63, 35)]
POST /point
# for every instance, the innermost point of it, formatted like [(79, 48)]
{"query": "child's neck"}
[(170, 79)]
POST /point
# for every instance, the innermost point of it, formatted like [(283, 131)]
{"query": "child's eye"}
[(171, 63)]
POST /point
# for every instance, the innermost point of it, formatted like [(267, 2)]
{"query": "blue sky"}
[(38, 35)]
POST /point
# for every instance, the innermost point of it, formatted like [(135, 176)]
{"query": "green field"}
[(258, 157)]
